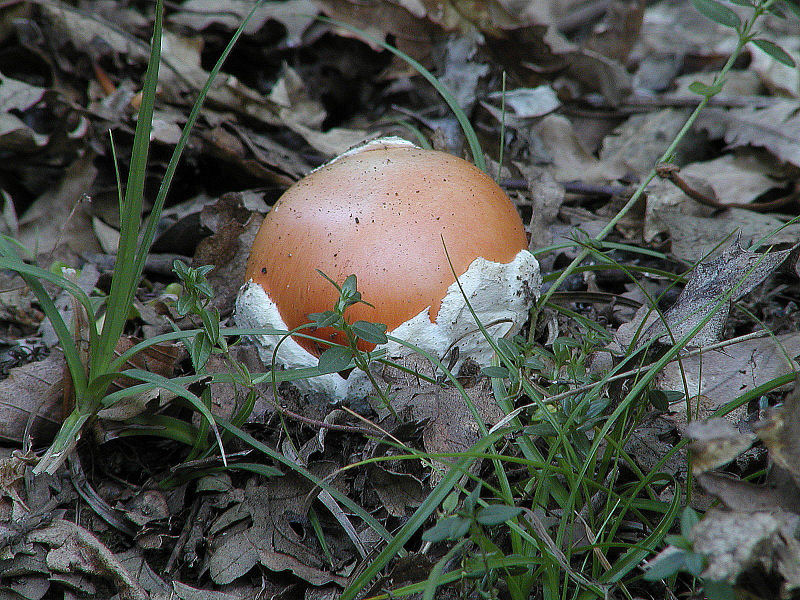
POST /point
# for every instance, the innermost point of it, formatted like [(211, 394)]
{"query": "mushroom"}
[(386, 212)]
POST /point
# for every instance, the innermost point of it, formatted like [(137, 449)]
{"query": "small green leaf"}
[(718, 590), (472, 499), (666, 564), (565, 342), (185, 304), (495, 371), (689, 518), (540, 429), (204, 289), (349, 286), (200, 350), (210, 320), (717, 12), (180, 268), (776, 52), (694, 563), (494, 514), (674, 396), (658, 399), (705, 90), (374, 333), (449, 528), (533, 363), (508, 347), (335, 359), (597, 406), (324, 319), (678, 541)]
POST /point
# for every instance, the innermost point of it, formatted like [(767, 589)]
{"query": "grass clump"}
[(559, 509)]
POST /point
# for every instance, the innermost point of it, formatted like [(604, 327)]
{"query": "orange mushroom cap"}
[(381, 213)]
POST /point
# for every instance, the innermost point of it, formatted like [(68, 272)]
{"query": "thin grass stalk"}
[(461, 116), (125, 279), (665, 157)]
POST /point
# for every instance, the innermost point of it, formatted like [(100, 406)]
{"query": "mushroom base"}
[(500, 294)]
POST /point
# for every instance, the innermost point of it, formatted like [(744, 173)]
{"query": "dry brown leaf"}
[(638, 143), (233, 230), (736, 270), (294, 15), (780, 432), (569, 159), (448, 422), (694, 237), (73, 549), (397, 491), (732, 178), (775, 128), (722, 375), (715, 442), (58, 225), (275, 537), (305, 116), (30, 400), (160, 359), (735, 543)]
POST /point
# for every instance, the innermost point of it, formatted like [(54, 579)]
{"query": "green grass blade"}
[(152, 222), (126, 275), (33, 276), (461, 116), (300, 470), (417, 520)]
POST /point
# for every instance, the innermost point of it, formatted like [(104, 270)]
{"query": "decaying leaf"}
[(715, 442), (279, 537), (712, 288), (397, 491), (738, 543), (775, 128), (780, 432), (294, 15), (30, 400), (160, 359), (759, 531), (58, 225), (233, 230), (694, 237), (73, 549), (723, 375), (638, 143), (568, 158), (449, 425)]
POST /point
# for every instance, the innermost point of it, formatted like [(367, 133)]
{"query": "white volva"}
[(500, 294)]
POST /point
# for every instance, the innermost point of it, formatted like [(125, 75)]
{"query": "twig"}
[(323, 425), (671, 172)]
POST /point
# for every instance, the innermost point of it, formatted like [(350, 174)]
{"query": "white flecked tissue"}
[(500, 294)]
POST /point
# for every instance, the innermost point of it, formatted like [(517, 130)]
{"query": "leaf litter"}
[(578, 130)]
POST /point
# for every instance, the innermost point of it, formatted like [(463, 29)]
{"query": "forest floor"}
[(574, 105)]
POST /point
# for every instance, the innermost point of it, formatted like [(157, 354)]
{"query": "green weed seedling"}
[(339, 358), (92, 376), (680, 557)]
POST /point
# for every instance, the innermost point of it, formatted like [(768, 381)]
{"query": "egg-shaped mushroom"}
[(386, 212)]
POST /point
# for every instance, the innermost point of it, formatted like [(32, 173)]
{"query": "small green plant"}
[(195, 299), (680, 557), (91, 376), (470, 517)]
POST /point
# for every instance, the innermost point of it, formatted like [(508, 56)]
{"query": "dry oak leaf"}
[(711, 290)]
